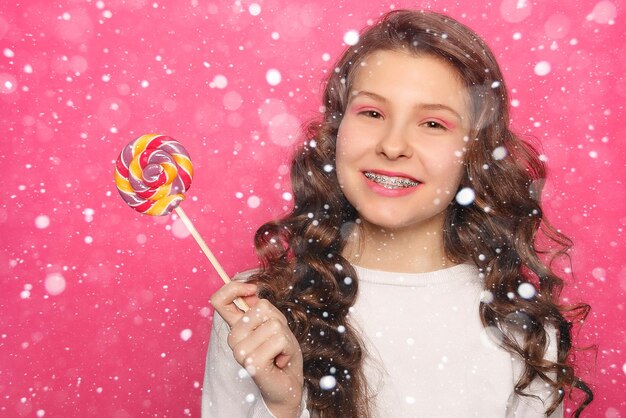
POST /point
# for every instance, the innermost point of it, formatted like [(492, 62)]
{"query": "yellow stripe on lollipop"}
[(170, 171), (142, 143), (135, 169), (165, 189), (122, 183), (184, 162), (161, 205), (140, 146), (161, 192)]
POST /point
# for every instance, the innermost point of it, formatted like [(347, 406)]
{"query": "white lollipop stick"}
[(241, 304)]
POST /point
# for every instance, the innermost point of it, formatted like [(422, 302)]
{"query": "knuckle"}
[(275, 325), (265, 304), (240, 354), (220, 295), (283, 320), (283, 339), (231, 340), (214, 298)]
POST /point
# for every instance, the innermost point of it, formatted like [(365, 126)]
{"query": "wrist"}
[(281, 410)]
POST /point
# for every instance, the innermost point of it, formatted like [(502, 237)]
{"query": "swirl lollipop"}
[(152, 174)]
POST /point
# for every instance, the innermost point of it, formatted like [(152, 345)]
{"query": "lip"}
[(383, 191)]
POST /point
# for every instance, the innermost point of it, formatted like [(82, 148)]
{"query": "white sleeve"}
[(528, 407), (228, 390)]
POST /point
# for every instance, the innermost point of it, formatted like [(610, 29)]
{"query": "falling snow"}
[(351, 37), (254, 202), (179, 230), (185, 334), (465, 196), (273, 77), (42, 222), (254, 9), (499, 153), (55, 283), (219, 81), (526, 290), (543, 68), (328, 382)]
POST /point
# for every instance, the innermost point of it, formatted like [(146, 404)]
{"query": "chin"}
[(388, 224), (397, 222)]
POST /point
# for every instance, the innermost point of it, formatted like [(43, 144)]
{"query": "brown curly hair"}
[(303, 271)]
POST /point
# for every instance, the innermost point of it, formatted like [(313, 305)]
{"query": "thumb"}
[(282, 360)]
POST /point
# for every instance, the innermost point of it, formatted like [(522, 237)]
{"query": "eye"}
[(371, 114), (435, 125)]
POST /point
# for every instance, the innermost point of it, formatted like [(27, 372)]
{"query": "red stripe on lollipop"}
[(149, 194), (143, 158), (144, 207), (158, 141), (184, 176), (121, 168)]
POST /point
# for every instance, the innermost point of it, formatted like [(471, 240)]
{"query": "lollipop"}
[(152, 174)]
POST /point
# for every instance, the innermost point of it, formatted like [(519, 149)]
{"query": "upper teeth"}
[(391, 182)]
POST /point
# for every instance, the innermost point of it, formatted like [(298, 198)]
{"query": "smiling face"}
[(400, 142)]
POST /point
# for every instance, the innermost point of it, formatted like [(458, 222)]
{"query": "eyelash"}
[(371, 114), (435, 125), (375, 114)]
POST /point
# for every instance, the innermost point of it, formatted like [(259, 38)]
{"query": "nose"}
[(394, 144)]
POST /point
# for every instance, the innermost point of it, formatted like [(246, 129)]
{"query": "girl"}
[(406, 281)]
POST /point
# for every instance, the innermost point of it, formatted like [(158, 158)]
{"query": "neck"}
[(418, 249)]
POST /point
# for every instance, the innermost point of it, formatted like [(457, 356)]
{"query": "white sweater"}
[(428, 354)]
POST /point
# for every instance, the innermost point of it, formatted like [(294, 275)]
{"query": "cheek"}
[(449, 167), (349, 152), (352, 141), (456, 177), (343, 135), (445, 159), (340, 156), (345, 147)]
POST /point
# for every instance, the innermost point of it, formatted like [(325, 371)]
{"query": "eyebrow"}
[(427, 106)]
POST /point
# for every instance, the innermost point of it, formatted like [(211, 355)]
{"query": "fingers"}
[(271, 345), (263, 332), (244, 303), (224, 300), (262, 312)]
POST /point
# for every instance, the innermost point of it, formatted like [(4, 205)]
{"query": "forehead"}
[(409, 77), (401, 63)]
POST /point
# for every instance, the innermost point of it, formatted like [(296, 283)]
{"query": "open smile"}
[(391, 182)]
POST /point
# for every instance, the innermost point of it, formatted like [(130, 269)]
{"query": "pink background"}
[(104, 312)]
